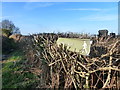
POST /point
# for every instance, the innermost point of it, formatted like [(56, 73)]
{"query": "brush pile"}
[(57, 67)]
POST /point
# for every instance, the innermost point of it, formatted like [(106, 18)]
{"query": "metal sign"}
[(76, 45)]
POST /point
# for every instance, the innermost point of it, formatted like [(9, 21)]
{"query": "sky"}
[(78, 17)]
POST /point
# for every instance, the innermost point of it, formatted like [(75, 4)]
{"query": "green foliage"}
[(18, 80), (13, 75), (8, 45), (6, 32)]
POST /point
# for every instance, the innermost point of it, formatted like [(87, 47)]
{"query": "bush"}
[(6, 32), (8, 45)]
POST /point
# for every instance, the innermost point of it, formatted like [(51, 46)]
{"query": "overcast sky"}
[(81, 17)]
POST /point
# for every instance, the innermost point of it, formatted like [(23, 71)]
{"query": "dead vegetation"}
[(58, 67)]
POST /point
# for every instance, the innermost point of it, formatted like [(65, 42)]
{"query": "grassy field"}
[(13, 75), (76, 44)]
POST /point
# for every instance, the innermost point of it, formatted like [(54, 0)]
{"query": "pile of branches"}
[(74, 35), (58, 67)]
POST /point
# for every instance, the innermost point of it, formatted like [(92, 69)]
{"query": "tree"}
[(16, 31), (9, 28)]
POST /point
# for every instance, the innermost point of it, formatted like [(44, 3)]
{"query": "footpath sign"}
[(76, 45)]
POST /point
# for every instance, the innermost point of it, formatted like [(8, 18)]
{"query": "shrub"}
[(6, 32), (8, 45)]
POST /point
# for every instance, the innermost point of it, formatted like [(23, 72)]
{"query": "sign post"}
[(75, 44)]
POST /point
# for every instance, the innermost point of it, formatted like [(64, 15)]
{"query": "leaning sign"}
[(75, 44)]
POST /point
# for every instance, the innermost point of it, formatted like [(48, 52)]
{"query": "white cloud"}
[(100, 15), (84, 9), (4, 17), (106, 17), (93, 9), (34, 5)]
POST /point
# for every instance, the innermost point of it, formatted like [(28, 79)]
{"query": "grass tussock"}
[(13, 73)]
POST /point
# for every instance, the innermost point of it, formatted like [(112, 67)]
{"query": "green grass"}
[(75, 44), (13, 75), (15, 56)]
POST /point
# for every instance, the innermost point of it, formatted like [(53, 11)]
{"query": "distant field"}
[(76, 44)]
